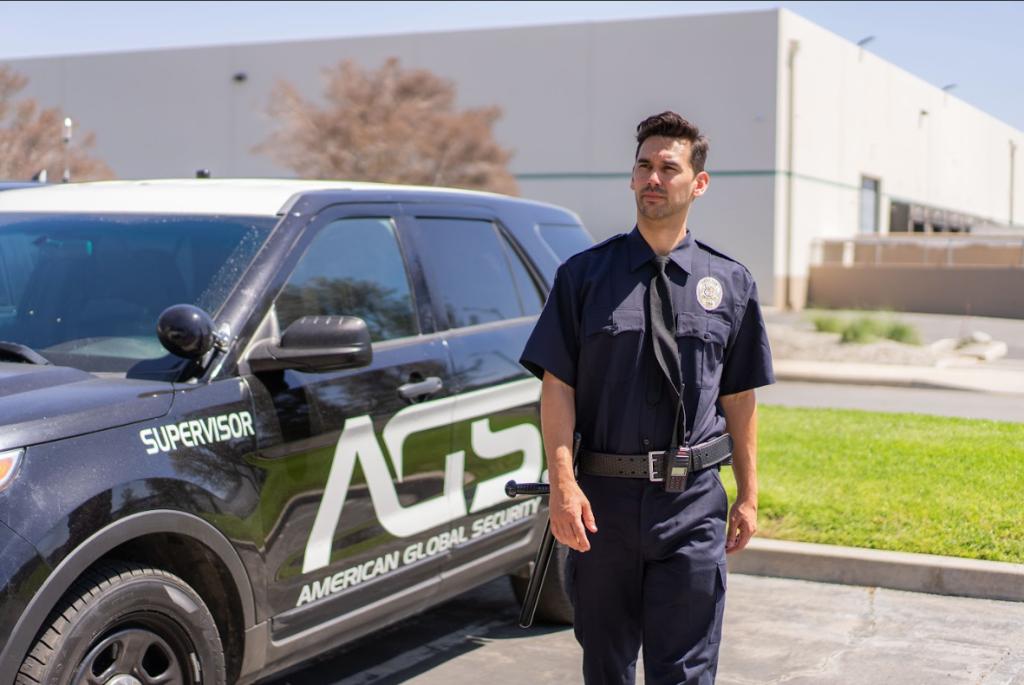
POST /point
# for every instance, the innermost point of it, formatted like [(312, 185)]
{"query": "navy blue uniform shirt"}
[(593, 335)]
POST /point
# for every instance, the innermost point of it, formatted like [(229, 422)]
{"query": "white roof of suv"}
[(245, 197)]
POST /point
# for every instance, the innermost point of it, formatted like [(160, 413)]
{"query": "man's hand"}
[(742, 524), (571, 516)]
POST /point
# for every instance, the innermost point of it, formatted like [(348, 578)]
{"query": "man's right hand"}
[(571, 516)]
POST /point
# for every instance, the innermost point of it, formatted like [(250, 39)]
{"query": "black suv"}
[(244, 422)]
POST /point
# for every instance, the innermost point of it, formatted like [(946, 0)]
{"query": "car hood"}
[(45, 403)]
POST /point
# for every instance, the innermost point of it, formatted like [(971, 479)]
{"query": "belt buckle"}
[(655, 465)]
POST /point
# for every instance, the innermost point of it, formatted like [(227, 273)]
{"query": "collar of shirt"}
[(640, 252)]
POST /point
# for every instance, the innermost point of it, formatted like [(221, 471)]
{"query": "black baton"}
[(547, 541)]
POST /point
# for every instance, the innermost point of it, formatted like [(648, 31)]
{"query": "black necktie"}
[(663, 332)]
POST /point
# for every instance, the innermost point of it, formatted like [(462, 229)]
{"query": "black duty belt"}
[(652, 465)]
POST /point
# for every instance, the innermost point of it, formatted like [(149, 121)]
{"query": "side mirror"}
[(316, 343), (185, 331)]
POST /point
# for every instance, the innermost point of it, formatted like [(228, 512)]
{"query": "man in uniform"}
[(651, 345)]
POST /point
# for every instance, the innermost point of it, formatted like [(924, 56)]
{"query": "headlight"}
[(9, 463)]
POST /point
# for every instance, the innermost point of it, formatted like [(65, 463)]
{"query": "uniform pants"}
[(654, 576)]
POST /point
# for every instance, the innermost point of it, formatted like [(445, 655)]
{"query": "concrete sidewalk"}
[(1005, 379)]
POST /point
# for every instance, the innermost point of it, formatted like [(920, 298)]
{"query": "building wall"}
[(856, 115), (572, 96)]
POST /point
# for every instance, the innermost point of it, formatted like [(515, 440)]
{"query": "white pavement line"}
[(421, 654)]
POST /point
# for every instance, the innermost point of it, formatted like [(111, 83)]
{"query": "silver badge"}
[(709, 293)]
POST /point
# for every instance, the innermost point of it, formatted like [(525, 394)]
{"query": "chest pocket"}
[(612, 340), (702, 340)]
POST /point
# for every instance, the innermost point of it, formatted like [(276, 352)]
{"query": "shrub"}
[(824, 323), (863, 329), (903, 333), (866, 329)]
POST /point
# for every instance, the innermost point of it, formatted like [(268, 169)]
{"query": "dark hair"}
[(671, 125)]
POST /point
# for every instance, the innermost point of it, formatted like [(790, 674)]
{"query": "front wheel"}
[(130, 625)]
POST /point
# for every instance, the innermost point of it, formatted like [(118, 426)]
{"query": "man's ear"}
[(702, 184), (632, 183)]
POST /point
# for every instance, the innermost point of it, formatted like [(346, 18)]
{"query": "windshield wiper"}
[(13, 352)]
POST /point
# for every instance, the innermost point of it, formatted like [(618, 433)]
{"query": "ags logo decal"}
[(357, 442), (368, 570)]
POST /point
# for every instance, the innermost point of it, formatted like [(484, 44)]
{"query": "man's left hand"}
[(742, 524)]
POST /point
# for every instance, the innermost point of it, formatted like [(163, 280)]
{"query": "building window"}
[(899, 217), (868, 205)]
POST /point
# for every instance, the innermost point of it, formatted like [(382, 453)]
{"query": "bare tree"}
[(31, 138), (392, 125)]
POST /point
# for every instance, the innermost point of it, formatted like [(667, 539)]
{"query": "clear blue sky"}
[(977, 45)]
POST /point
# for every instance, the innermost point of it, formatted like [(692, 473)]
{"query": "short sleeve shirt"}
[(594, 335)]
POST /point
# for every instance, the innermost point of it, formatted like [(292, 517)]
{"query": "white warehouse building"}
[(812, 138)]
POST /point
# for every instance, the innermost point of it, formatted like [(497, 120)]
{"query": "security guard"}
[(651, 345)]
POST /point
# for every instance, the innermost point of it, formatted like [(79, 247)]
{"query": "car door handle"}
[(428, 386)]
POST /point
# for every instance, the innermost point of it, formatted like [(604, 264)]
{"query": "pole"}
[(1013, 152), (67, 149), (787, 300)]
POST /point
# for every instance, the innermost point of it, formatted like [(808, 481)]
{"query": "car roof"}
[(243, 197), (13, 185)]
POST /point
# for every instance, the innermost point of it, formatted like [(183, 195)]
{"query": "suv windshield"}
[(85, 290)]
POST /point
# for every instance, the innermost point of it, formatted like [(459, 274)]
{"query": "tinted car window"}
[(529, 295), (564, 240), (353, 267), (86, 290), (471, 268)]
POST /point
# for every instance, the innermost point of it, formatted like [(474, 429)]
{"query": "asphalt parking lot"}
[(776, 631)]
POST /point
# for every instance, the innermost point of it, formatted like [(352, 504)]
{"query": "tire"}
[(553, 605), (124, 623)]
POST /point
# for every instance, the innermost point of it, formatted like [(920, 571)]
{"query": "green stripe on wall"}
[(754, 173)]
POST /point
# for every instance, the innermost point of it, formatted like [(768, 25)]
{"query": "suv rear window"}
[(473, 266)]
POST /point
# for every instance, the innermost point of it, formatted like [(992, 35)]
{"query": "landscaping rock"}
[(802, 343)]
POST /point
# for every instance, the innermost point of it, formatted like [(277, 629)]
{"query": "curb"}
[(876, 568), (989, 381)]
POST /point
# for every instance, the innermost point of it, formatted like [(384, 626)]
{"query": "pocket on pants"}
[(716, 631)]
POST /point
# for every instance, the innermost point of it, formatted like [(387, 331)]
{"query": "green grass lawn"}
[(901, 482)]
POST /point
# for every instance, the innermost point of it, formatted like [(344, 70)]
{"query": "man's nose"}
[(653, 179)]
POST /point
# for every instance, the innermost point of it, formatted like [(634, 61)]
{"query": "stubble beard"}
[(660, 211)]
